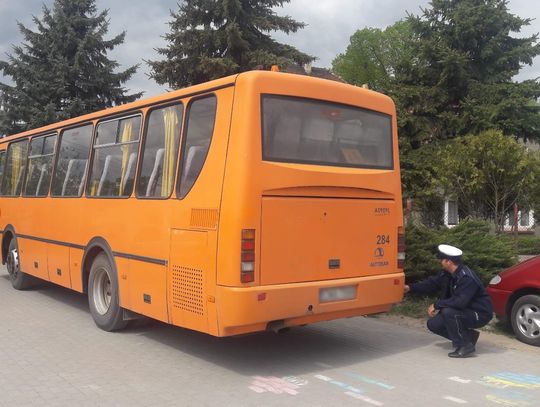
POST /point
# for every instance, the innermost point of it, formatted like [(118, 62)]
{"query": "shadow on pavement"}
[(302, 350)]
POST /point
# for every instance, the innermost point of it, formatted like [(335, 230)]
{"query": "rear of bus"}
[(311, 216)]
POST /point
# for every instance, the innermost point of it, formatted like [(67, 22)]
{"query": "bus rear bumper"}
[(252, 309)]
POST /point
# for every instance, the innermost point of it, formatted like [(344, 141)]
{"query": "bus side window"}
[(40, 160), (14, 168), (160, 151), (2, 157), (115, 157), (73, 151), (200, 125)]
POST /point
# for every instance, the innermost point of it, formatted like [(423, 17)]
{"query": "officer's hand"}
[(406, 289), (431, 310)]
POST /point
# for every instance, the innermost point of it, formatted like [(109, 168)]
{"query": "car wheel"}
[(19, 279), (525, 319), (103, 297)]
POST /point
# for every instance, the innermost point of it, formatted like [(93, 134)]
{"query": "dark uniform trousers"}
[(463, 305), (456, 324)]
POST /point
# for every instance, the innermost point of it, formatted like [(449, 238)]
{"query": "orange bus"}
[(257, 201)]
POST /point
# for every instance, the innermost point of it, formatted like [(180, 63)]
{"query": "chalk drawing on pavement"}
[(511, 380), (455, 399), (364, 398), (509, 397), (295, 380), (459, 379), (349, 390), (272, 384), (370, 381)]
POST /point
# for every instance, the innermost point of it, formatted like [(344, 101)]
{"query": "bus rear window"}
[(315, 132)]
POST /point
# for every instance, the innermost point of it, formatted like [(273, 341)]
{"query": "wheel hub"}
[(528, 320), (12, 263), (102, 291)]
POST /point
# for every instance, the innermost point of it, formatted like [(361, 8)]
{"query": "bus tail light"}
[(401, 249), (247, 257)]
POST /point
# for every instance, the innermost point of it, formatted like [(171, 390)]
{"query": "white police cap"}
[(447, 251)]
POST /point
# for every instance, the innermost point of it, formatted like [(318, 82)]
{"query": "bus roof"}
[(190, 91)]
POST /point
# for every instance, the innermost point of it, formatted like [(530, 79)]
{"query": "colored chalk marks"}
[(370, 381), (275, 385), (509, 379)]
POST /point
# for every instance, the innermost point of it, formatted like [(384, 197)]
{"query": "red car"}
[(516, 299)]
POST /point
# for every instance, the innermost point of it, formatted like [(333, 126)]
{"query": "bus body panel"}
[(298, 303), (33, 257), (188, 275), (315, 239), (58, 265)]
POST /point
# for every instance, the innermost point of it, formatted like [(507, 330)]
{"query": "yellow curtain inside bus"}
[(170, 119), (16, 167), (126, 131)]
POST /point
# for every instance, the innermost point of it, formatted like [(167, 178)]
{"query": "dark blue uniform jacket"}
[(460, 290)]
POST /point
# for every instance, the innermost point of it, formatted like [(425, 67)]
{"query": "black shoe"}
[(474, 336), (464, 351)]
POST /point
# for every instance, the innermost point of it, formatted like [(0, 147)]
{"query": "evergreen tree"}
[(214, 38), (62, 70), (461, 81)]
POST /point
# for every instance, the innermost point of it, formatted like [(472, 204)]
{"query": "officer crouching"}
[(463, 306)]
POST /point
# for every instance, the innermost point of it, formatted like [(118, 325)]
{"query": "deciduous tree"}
[(488, 174)]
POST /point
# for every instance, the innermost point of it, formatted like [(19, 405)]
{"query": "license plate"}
[(337, 293)]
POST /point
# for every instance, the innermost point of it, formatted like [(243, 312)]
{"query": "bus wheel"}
[(19, 280), (103, 295)]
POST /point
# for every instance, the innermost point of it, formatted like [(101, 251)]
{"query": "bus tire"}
[(19, 279), (103, 295)]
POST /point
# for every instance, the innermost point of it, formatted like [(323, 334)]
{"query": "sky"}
[(330, 23)]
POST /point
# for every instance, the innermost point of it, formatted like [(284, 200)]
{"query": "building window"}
[(451, 217)]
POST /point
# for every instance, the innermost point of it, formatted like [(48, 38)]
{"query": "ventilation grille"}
[(204, 218), (187, 289)]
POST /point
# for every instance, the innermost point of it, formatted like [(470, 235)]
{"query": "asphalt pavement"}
[(52, 354)]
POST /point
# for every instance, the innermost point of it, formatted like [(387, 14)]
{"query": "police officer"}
[(463, 306)]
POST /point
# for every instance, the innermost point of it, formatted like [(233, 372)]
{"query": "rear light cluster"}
[(401, 249), (247, 265)]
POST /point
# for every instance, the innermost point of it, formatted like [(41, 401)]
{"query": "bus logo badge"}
[(379, 252)]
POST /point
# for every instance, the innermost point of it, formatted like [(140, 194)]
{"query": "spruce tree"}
[(62, 70), (461, 80), (214, 38)]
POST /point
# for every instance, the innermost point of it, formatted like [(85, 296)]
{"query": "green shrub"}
[(487, 254), (421, 247), (528, 245)]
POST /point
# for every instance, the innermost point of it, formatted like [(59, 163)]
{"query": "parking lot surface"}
[(52, 354)]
